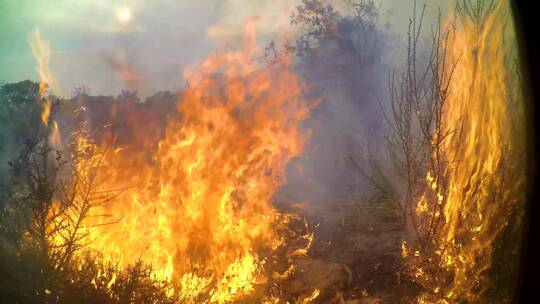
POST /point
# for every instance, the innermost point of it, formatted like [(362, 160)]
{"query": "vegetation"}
[(43, 221), (19, 124), (47, 189)]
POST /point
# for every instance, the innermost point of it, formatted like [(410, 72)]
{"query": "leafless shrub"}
[(418, 97)]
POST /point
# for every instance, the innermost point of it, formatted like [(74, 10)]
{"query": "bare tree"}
[(418, 98)]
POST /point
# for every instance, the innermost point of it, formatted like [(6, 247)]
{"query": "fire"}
[(485, 183), (41, 50), (197, 204), (311, 297)]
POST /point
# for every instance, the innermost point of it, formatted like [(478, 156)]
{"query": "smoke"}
[(147, 53), (345, 69), (159, 40), (91, 44)]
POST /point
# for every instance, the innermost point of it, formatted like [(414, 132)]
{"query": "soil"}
[(355, 256)]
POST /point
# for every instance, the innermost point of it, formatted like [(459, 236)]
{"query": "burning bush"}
[(173, 199)]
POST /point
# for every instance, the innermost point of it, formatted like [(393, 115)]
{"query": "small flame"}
[(314, 295), (41, 50), (404, 250), (55, 137)]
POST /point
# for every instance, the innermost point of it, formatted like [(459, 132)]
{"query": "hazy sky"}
[(92, 41)]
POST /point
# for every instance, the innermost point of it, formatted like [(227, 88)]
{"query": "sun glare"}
[(123, 15)]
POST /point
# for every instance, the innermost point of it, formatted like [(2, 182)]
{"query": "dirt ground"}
[(355, 256)]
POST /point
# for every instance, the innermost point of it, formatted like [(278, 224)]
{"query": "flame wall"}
[(197, 205), (485, 172)]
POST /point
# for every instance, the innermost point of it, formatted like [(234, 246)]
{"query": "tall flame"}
[(486, 178), (198, 206), (41, 50)]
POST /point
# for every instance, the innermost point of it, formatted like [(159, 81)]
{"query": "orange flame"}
[(199, 207), (41, 50), (486, 180)]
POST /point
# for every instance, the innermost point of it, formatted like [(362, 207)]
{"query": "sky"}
[(110, 45)]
